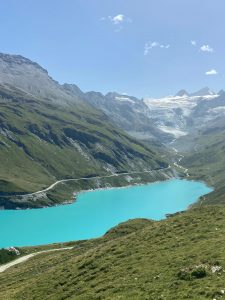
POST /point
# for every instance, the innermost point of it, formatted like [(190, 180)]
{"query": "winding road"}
[(90, 178), (26, 257)]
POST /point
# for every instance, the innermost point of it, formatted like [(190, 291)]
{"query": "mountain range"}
[(51, 132), (48, 132), (160, 119), (56, 140)]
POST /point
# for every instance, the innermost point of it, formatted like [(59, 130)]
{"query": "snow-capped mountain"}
[(163, 119), (128, 113), (174, 114)]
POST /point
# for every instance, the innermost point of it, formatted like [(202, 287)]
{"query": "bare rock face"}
[(182, 93), (202, 92), (162, 119), (19, 72)]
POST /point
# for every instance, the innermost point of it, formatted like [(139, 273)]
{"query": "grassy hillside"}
[(178, 258), (204, 155), (42, 142)]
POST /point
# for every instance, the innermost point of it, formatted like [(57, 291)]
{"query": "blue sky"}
[(140, 47)]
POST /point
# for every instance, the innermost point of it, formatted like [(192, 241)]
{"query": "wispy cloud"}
[(149, 45), (117, 20), (211, 72), (194, 43), (206, 48)]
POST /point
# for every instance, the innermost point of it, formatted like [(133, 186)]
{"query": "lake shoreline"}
[(96, 211), (77, 193), (63, 189)]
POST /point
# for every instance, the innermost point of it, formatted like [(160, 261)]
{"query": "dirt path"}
[(88, 178), (26, 257)]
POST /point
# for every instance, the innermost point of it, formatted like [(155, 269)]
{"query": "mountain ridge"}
[(47, 133)]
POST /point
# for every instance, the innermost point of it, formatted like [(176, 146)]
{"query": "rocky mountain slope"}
[(161, 120), (50, 132), (176, 115), (30, 78), (47, 133), (129, 113), (192, 123)]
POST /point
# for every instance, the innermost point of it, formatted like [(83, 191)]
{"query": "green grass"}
[(206, 160), (7, 256), (140, 259), (42, 142)]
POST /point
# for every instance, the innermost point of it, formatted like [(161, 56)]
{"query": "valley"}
[(112, 150), (49, 134), (54, 135), (57, 142), (60, 140)]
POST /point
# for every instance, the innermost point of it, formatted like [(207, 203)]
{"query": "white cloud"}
[(211, 72), (117, 20), (206, 48), (164, 46), (194, 43), (149, 45)]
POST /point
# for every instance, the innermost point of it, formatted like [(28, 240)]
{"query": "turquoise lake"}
[(96, 212)]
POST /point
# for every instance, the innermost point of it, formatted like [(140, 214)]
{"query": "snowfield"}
[(172, 114)]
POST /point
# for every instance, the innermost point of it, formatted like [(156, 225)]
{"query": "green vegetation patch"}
[(181, 257), (42, 142), (6, 255)]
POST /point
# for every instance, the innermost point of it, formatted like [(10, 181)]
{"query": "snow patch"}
[(176, 132), (126, 99)]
